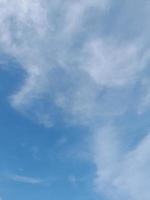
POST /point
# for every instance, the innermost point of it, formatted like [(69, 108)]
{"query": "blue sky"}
[(39, 162), (74, 100)]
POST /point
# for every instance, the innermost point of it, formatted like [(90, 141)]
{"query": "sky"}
[(74, 100)]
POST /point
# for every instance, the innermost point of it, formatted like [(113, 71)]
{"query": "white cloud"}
[(16, 18), (41, 45), (113, 65), (134, 178), (45, 46), (144, 103), (25, 179), (120, 173), (36, 36), (76, 11)]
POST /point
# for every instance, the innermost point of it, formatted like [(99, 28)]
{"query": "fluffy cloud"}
[(85, 62)]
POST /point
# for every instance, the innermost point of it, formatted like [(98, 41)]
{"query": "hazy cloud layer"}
[(86, 62)]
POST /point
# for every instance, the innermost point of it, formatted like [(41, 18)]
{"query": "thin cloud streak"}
[(25, 179)]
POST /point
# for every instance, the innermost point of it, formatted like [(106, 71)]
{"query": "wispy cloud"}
[(85, 62), (25, 179), (121, 173), (53, 62)]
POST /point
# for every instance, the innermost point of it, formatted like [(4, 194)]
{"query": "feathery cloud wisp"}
[(25, 179)]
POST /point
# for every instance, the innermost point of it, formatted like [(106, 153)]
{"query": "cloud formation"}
[(86, 62), (51, 50)]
